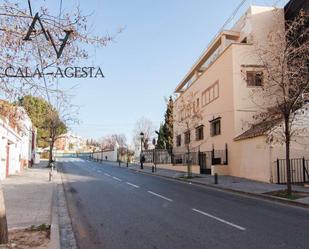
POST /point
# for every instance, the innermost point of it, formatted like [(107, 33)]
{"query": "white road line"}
[(161, 196), (107, 174), (133, 185), (99, 171), (219, 219), (117, 179)]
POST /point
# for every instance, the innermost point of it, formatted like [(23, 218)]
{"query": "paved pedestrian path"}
[(28, 197)]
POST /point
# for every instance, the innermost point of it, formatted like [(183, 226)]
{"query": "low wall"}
[(110, 155), (220, 170), (182, 168)]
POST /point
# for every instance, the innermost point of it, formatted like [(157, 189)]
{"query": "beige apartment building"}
[(214, 108)]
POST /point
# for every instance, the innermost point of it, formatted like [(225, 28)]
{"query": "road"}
[(114, 208)]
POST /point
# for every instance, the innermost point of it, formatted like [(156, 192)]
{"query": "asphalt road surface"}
[(112, 207)]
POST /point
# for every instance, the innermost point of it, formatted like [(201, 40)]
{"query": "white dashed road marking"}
[(117, 179), (133, 185), (107, 174), (219, 219), (161, 196)]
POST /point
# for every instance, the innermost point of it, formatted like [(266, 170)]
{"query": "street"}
[(113, 207)]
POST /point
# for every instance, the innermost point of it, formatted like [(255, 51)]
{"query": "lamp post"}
[(142, 156)]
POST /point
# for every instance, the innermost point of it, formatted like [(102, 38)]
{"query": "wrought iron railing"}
[(299, 168)]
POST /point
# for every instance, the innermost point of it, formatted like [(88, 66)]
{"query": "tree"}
[(47, 120), (56, 127), (146, 126), (37, 109), (161, 143), (4, 235), (38, 53), (39, 49), (111, 140), (190, 118), (284, 60), (169, 125)]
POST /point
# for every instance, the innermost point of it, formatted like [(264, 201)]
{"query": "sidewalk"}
[(28, 197), (227, 183)]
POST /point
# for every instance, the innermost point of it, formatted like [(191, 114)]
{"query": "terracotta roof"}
[(259, 129)]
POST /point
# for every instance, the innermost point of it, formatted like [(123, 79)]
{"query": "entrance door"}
[(204, 162)]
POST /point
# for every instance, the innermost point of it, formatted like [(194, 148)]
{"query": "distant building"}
[(70, 142)]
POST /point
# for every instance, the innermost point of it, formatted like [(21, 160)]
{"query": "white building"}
[(17, 142), (70, 142)]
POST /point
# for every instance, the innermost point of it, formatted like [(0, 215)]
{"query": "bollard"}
[(119, 163), (152, 169), (50, 175), (216, 178), (127, 164), (51, 172)]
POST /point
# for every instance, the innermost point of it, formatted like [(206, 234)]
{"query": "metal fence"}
[(72, 155), (219, 157), (185, 158), (203, 158), (299, 171), (157, 156)]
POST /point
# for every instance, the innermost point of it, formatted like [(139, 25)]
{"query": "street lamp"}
[(142, 157)]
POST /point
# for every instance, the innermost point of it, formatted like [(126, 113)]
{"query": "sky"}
[(160, 41)]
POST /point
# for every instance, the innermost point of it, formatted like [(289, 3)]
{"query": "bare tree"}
[(284, 61), (190, 117), (145, 126), (35, 42), (111, 140), (4, 237), (40, 49)]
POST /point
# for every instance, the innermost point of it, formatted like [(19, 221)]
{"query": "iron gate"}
[(299, 171), (205, 162)]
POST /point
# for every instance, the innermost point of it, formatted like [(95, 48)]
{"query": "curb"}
[(261, 196), (54, 227), (66, 233)]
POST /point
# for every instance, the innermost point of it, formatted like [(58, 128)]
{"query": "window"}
[(210, 94), (215, 127), (187, 137), (216, 91), (254, 78), (178, 140), (199, 132)]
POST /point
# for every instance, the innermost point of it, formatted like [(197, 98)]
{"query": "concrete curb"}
[(262, 196), (66, 233), (54, 227)]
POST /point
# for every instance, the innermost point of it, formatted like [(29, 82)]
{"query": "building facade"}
[(18, 141), (214, 109), (70, 143)]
